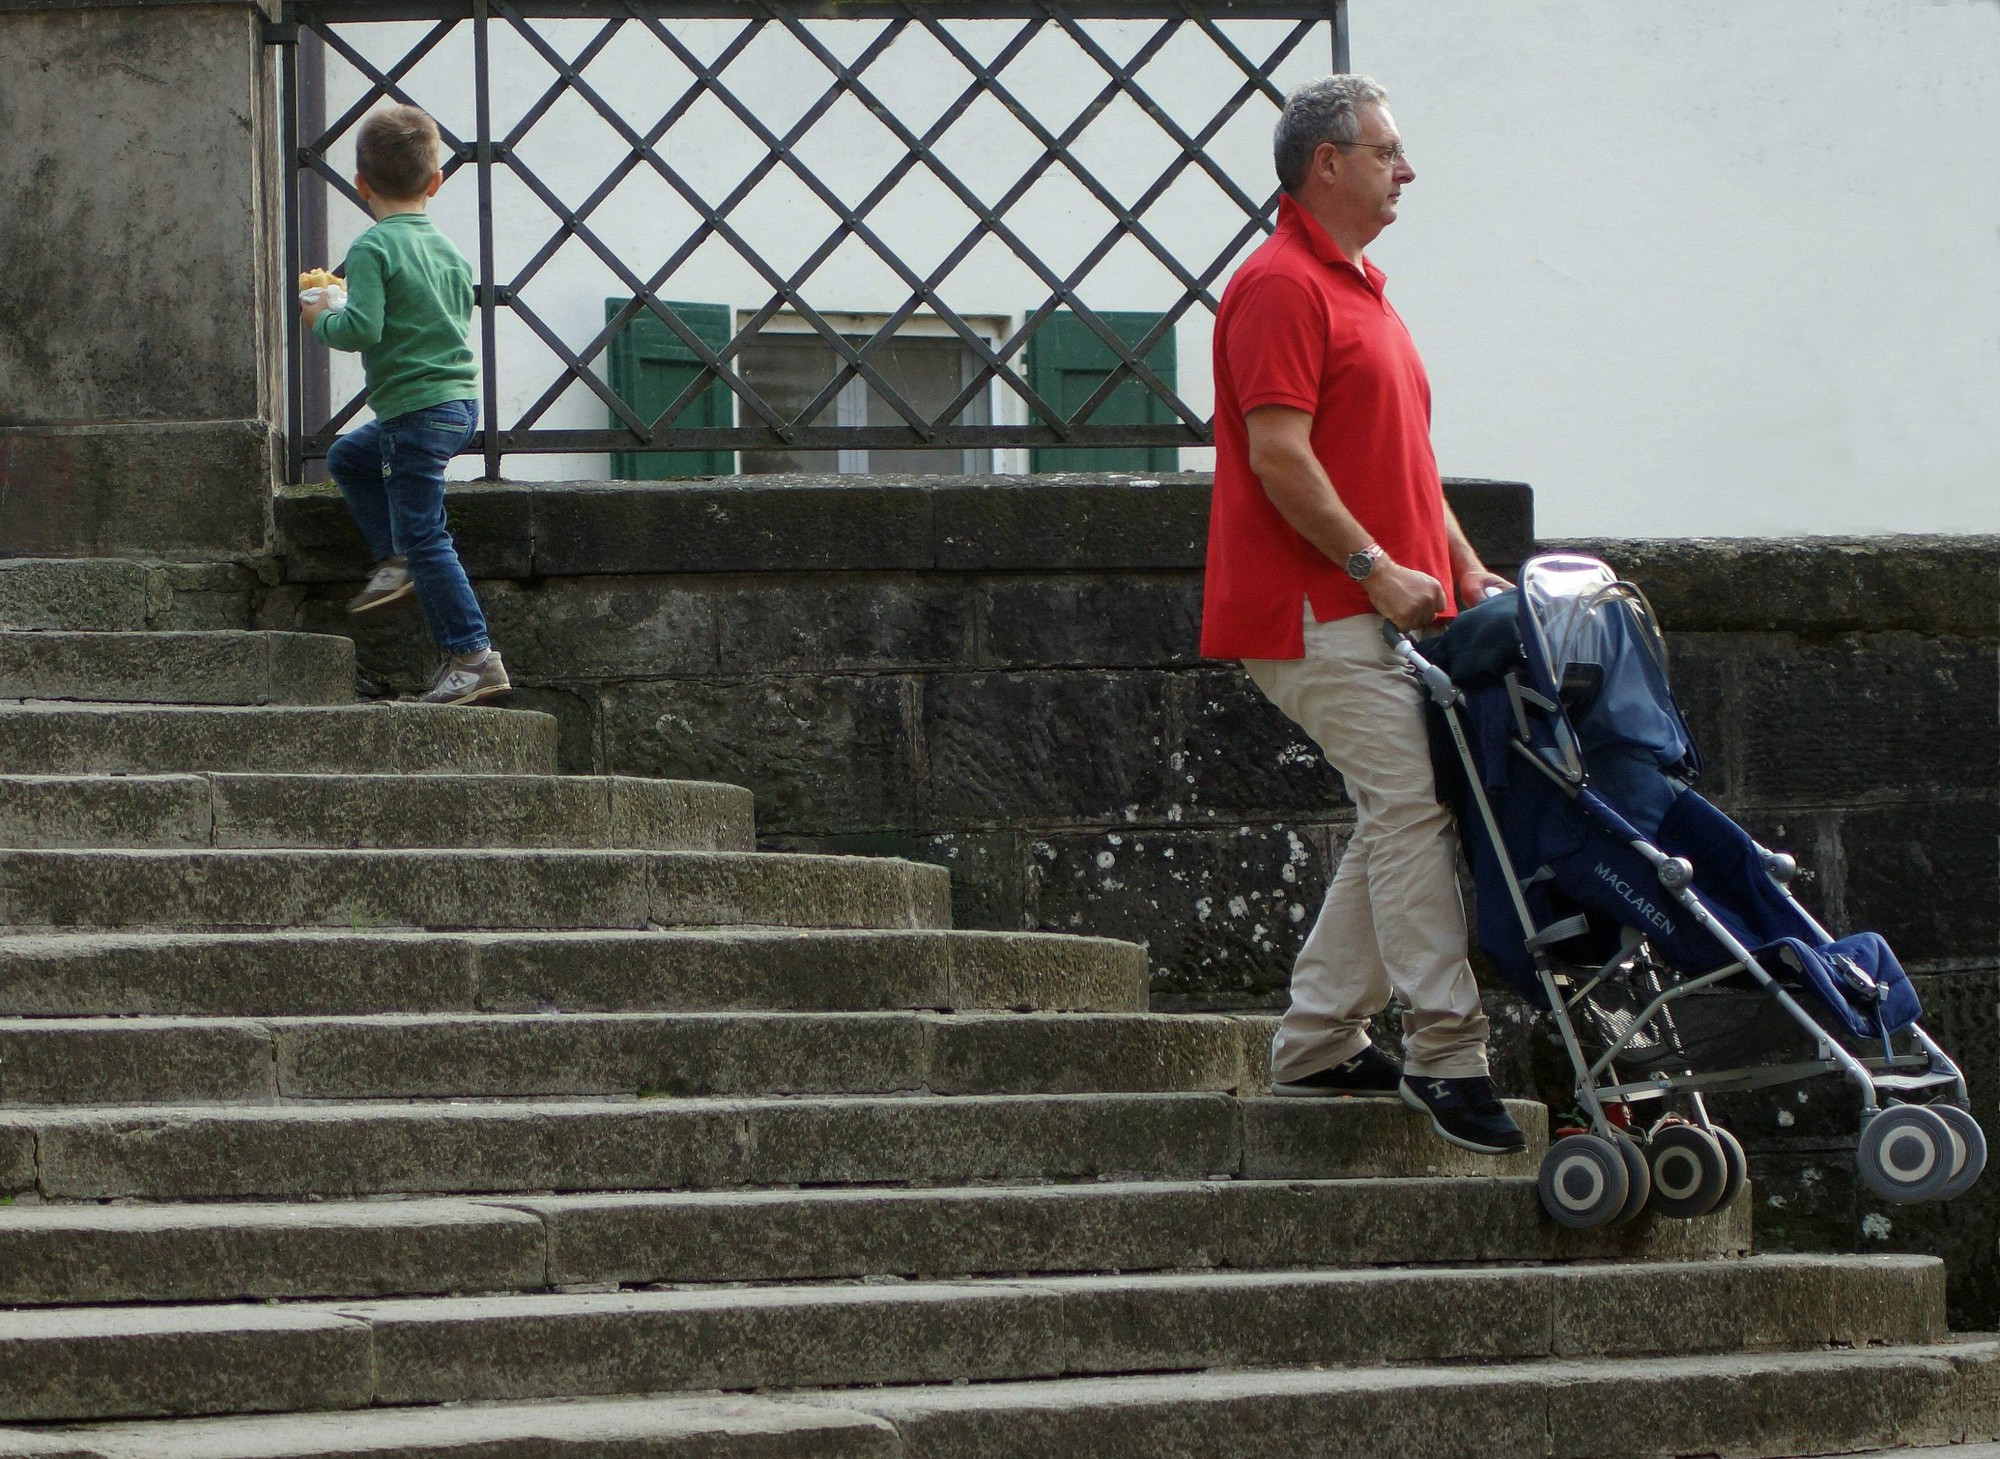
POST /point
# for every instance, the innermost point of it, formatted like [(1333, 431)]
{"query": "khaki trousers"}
[(1393, 923)]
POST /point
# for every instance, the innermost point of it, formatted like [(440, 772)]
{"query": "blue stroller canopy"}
[(1584, 755)]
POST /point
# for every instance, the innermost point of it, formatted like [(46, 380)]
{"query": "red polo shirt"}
[(1298, 326)]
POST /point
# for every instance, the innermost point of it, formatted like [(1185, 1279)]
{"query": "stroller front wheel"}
[(1583, 1182), (1906, 1154), (1690, 1172), (1738, 1162), (1973, 1140)]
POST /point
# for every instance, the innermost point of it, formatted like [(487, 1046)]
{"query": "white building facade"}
[(1726, 270)]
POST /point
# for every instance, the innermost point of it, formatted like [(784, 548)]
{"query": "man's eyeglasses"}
[(1392, 152)]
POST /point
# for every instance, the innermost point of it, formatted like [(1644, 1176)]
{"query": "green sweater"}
[(409, 304)]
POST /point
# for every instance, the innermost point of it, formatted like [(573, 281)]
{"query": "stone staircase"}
[(371, 1090)]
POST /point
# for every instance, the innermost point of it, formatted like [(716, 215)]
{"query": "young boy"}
[(409, 305)]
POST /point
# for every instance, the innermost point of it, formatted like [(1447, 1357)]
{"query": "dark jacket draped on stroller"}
[(1646, 921)]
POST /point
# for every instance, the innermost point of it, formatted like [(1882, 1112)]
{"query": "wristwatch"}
[(1362, 563)]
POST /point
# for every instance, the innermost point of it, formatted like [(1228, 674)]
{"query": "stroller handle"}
[(1434, 679)]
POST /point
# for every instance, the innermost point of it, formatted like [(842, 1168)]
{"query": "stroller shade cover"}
[(1572, 667)]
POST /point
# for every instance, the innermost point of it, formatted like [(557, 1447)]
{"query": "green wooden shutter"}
[(1067, 363), (650, 367)]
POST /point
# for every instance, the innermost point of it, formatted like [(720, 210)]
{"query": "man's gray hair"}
[(1326, 110)]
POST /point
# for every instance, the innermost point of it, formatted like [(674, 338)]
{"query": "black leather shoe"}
[(1369, 1072), (1464, 1112)]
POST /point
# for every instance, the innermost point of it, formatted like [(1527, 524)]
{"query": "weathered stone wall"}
[(140, 303), (1002, 677), (998, 676)]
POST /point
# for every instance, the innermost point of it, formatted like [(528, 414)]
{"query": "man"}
[(1328, 518)]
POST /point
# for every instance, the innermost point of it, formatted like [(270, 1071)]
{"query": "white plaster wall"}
[(1706, 269), (1692, 270)]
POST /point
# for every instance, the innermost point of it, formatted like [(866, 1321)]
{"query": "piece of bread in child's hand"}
[(317, 278)]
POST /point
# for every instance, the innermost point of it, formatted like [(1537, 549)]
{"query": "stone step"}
[(373, 811), (113, 1362), (99, 1061), (178, 668), (80, 739), (86, 595), (65, 1255), (208, 1152), (74, 974), (1759, 1405), (466, 889)]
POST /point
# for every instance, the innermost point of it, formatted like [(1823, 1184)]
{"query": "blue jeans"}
[(392, 474)]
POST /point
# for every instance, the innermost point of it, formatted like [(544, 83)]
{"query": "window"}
[(789, 368), (788, 364)]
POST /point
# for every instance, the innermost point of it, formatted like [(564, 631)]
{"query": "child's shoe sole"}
[(362, 603)]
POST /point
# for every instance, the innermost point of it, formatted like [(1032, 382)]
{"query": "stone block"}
[(848, 622), (1894, 713), (1385, 1413), (1498, 518), (988, 869), (684, 1055), (1221, 912), (492, 526), (1071, 1053), (1053, 523), (980, 1138), (1346, 1139), (1818, 585), (177, 668), (230, 1252), (1031, 748), (81, 811), (134, 1061), (745, 969), (88, 975), (165, 489), (290, 1152), (76, 595), (678, 1427), (335, 889), (550, 811), (1117, 622), (637, 1342), (102, 1363), (1926, 876), (769, 889), (369, 739), (1256, 1319), (831, 1234), (566, 630), (831, 753), (749, 524), (1026, 971), (1242, 759), (193, 93)]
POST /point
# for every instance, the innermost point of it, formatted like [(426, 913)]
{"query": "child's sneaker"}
[(390, 583), (465, 680)]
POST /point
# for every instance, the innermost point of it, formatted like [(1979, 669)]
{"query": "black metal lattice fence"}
[(993, 52)]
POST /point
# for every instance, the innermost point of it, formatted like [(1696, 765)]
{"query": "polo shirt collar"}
[(1296, 220)]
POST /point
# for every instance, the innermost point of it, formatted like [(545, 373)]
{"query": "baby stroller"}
[(1657, 934)]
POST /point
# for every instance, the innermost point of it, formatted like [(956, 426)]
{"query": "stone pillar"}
[(141, 209)]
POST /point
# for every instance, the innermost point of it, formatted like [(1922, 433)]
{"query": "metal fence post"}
[(488, 285)]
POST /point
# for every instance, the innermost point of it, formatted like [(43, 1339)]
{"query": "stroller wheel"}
[(1906, 1153), (1690, 1172), (1584, 1182), (1972, 1139), (1638, 1179), (1738, 1162)]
